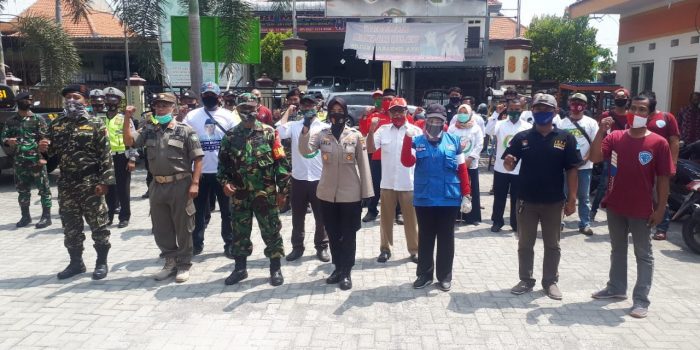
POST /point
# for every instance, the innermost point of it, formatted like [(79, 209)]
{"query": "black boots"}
[(345, 280), (45, 220), (101, 267), (26, 218), (335, 276), (76, 265), (240, 271), (276, 278)]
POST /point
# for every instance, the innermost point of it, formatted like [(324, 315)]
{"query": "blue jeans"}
[(666, 222), (582, 194)]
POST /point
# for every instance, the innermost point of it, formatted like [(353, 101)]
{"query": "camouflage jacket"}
[(253, 160), (28, 131), (83, 150)]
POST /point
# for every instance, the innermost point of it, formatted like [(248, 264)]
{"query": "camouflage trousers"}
[(25, 178), (76, 201), (264, 206)]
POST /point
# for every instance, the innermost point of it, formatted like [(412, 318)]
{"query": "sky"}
[(607, 25)]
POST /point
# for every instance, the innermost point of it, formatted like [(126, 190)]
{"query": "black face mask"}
[(23, 105), (191, 105), (455, 100), (111, 107), (210, 101), (621, 103)]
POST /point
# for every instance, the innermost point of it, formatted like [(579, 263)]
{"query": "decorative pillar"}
[(135, 92), (294, 63), (516, 70), (13, 82)]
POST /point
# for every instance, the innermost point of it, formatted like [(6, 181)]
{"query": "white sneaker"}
[(168, 270), (182, 275)]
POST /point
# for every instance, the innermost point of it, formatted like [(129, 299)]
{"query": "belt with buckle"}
[(171, 178), (118, 152)]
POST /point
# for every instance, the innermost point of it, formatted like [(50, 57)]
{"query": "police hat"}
[(113, 91), (23, 96), (94, 93)]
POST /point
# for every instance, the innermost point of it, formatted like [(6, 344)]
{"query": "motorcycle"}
[(684, 196)]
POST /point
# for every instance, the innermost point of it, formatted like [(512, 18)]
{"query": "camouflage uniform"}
[(85, 162), (28, 171), (253, 161)]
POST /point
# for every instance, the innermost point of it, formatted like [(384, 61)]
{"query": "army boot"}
[(26, 218), (169, 269), (76, 265), (276, 278), (45, 220), (101, 267), (346, 280), (240, 271)]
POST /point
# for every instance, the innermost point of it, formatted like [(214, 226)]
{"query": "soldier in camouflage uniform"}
[(21, 136), (80, 142), (253, 169)]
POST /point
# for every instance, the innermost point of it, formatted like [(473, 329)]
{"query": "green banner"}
[(212, 45)]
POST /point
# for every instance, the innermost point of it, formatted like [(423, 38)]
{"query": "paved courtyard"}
[(129, 310)]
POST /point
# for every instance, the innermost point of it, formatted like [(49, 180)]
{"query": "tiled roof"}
[(95, 25), (503, 28)]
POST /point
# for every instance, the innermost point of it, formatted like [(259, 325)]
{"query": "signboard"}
[(419, 42), (307, 22), (406, 8), (212, 45)]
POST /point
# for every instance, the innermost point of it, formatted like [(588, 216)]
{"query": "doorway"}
[(682, 83)]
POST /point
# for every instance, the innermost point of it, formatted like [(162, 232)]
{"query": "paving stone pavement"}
[(130, 310)]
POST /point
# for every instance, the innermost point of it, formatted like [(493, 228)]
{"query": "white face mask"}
[(639, 122)]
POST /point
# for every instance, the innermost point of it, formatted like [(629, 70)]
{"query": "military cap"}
[(75, 88), (165, 97), (23, 96), (247, 99)]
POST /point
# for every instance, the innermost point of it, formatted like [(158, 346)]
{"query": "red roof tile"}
[(95, 25), (503, 28)]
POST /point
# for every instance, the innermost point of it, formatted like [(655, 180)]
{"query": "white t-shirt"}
[(305, 168), (504, 130), (472, 142), (389, 139), (209, 134), (590, 126)]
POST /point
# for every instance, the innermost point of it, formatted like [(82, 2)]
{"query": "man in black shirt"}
[(546, 153)]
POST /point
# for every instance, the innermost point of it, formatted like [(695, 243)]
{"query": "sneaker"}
[(369, 217), (586, 231), (659, 236), (182, 275), (521, 288), (605, 293), (423, 281), (553, 292), (639, 311)]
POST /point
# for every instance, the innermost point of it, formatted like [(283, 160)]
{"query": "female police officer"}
[(441, 187), (345, 181)]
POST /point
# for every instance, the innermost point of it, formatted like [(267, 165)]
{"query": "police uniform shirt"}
[(543, 160), (170, 150)]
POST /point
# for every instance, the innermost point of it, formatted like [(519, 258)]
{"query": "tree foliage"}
[(59, 60), (563, 49), (143, 19), (271, 55)]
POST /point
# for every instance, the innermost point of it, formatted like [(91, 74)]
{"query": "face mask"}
[(385, 105), (543, 118), (337, 118), (636, 121), (210, 101), (620, 103), (164, 119), (308, 114), (74, 108), (576, 108), (111, 107), (514, 116), (463, 117), (434, 131), (23, 105), (248, 116), (454, 100), (398, 122), (191, 105), (378, 103)]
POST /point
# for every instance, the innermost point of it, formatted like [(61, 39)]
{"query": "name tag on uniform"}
[(85, 127), (420, 148), (326, 141), (59, 128), (176, 143)]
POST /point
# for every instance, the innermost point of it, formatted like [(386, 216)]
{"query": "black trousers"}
[(304, 194), (201, 203), (119, 194), (436, 224), (375, 168), (475, 214), (502, 184), (342, 220)]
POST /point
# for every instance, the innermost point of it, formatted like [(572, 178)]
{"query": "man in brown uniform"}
[(172, 147)]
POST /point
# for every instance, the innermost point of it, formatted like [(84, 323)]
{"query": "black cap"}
[(436, 111), (309, 97), (75, 88), (23, 96), (389, 92), (229, 93), (187, 94)]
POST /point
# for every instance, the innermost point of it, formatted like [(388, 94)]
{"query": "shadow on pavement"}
[(584, 313), (684, 255), (107, 285), (29, 282), (283, 292), (203, 290), (386, 294), (371, 263), (468, 303), (127, 235)]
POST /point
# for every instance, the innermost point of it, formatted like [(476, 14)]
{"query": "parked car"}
[(327, 85), (357, 102), (363, 85)]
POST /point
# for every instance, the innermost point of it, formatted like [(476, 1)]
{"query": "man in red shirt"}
[(640, 166)]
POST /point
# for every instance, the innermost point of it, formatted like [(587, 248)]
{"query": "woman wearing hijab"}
[(345, 181), (472, 141), (441, 191)]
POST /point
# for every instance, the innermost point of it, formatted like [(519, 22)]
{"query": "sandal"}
[(659, 236)]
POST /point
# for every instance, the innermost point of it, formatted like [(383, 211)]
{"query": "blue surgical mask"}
[(164, 119), (463, 117), (543, 118), (309, 113)]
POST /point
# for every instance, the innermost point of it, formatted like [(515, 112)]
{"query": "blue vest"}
[(435, 179)]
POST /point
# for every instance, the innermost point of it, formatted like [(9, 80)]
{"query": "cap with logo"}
[(113, 91), (544, 99), (229, 93), (187, 94), (398, 102), (165, 97), (210, 87), (578, 96), (95, 93), (435, 110), (377, 93), (75, 88), (621, 93)]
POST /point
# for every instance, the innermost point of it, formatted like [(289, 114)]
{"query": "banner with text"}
[(418, 42), (406, 8)]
